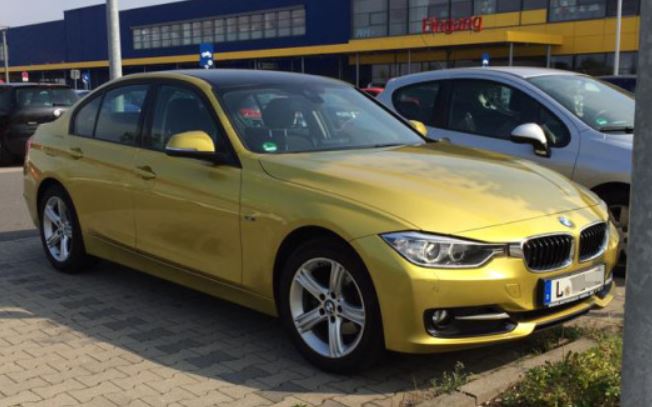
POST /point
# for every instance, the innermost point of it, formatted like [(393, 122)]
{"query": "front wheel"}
[(60, 232), (328, 305)]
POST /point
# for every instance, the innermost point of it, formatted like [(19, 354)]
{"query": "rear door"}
[(102, 147)]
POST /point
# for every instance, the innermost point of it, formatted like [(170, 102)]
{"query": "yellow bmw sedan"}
[(301, 197)]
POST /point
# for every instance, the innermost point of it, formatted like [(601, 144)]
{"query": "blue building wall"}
[(81, 35), (37, 44)]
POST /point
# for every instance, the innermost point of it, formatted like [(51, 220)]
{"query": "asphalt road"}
[(13, 213)]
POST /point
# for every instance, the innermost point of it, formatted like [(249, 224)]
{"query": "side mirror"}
[(532, 133), (191, 144), (420, 127)]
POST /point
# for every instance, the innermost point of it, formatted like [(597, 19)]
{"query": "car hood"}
[(436, 187)]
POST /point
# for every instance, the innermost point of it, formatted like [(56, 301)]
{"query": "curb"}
[(492, 384)]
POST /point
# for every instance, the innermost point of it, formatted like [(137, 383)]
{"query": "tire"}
[(618, 203), (360, 343), (73, 259)]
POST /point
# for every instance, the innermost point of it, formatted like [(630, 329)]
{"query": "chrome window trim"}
[(603, 247)]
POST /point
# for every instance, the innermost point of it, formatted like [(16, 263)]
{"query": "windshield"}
[(598, 104), (308, 117), (44, 97)]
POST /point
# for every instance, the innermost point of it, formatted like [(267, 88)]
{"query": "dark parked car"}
[(23, 106), (627, 82)]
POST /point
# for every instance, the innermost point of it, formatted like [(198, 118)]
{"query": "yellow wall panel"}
[(534, 17)]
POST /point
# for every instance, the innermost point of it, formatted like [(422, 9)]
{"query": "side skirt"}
[(117, 253)]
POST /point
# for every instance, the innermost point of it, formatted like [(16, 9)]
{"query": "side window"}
[(177, 110), (417, 102), (493, 109), (84, 123), (119, 119)]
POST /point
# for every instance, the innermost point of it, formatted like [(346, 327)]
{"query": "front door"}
[(187, 210), (484, 113)]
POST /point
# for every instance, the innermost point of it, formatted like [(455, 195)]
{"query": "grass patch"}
[(589, 379), (450, 381), (552, 338)]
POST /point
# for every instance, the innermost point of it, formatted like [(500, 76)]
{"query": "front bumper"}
[(406, 292)]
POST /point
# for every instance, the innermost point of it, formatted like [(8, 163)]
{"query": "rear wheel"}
[(328, 305), (60, 232)]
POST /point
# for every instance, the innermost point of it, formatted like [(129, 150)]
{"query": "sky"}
[(22, 12)]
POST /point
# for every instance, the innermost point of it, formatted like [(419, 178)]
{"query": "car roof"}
[(227, 78), (523, 72)]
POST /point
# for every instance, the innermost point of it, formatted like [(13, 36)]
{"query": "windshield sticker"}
[(601, 121), (270, 147)]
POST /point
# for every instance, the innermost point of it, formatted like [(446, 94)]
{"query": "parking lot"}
[(118, 337)]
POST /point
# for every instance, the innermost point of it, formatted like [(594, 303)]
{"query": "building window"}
[(298, 22), (398, 17), (256, 26), (534, 4), (241, 27), (630, 7), (484, 7), (244, 28), (564, 10), (461, 8), (420, 9), (271, 21), (369, 18), (507, 6), (219, 30)]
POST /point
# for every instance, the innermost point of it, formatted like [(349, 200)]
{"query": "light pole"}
[(113, 34), (619, 26), (637, 348), (5, 52)]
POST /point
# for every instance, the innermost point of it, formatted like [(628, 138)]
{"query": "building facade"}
[(360, 41)]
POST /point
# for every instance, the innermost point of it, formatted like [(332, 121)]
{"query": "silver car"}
[(572, 123)]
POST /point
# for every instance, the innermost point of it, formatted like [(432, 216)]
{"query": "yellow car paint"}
[(219, 228)]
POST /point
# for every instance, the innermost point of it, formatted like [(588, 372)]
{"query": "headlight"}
[(441, 251)]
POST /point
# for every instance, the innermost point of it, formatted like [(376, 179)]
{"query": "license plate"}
[(561, 290)]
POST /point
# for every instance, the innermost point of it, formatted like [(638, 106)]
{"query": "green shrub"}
[(589, 379)]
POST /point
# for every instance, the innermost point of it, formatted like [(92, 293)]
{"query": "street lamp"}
[(5, 52), (619, 26)]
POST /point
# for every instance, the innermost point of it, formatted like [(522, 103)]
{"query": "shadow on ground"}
[(149, 319)]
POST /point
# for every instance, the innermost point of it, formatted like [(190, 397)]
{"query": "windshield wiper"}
[(616, 129)]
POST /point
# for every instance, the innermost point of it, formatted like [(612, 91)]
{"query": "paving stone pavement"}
[(116, 337)]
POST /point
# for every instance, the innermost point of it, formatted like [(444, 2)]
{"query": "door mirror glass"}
[(191, 144), (532, 133), (420, 127)]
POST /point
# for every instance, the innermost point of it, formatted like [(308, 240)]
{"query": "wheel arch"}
[(608, 188), (294, 239)]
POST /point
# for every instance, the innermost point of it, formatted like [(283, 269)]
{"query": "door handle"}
[(76, 153), (145, 172)]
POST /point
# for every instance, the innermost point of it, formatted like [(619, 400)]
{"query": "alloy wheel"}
[(57, 229), (327, 307)]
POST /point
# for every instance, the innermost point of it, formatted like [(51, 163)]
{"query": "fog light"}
[(439, 317)]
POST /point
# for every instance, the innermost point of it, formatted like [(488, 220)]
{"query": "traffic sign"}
[(485, 59), (75, 74), (206, 55)]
